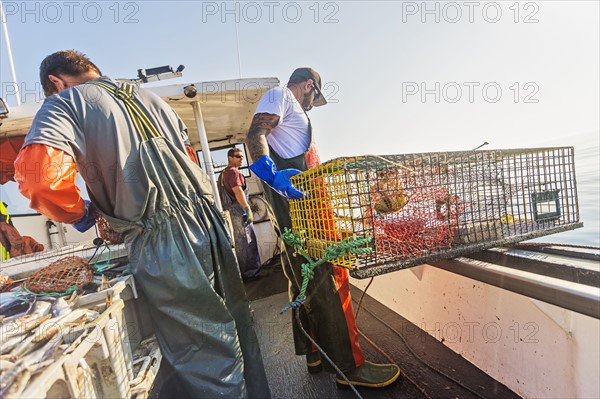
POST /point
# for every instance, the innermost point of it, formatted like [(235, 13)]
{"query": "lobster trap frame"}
[(418, 208)]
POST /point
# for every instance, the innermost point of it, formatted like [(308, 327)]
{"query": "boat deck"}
[(429, 368)]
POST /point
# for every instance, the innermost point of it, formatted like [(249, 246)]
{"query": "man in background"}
[(234, 197)]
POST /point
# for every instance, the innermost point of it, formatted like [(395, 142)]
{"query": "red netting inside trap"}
[(61, 276), (106, 232), (411, 214)]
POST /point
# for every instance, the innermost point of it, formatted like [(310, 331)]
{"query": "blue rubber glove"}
[(265, 168), (248, 217), (88, 220)]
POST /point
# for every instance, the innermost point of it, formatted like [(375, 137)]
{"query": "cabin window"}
[(16, 203), (219, 159)]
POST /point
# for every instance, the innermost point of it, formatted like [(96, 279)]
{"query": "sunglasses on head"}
[(317, 92)]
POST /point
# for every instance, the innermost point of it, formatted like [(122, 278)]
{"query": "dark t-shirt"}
[(232, 178)]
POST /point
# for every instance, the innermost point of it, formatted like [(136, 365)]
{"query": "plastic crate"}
[(96, 360), (422, 207)]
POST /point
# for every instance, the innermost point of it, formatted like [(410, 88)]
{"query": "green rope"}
[(52, 294), (102, 266), (353, 245)]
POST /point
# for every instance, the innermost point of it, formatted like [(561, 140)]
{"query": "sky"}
[(400, 76)]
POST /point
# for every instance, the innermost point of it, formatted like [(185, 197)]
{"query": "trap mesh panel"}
[(61, 275), (5, 283), (423, 207), (106, 232)]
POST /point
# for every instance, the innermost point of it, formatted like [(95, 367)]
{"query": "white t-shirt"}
[(291, 136)]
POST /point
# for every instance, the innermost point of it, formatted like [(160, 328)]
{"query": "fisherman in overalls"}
[(133, 152), (280, 143), (234, 198)]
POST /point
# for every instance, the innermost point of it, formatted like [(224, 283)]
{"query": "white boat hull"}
[(536, 349)]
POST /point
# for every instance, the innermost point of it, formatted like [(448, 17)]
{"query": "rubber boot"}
[(371, 375), (313, 362)]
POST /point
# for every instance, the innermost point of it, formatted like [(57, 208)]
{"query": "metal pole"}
[(11, 63), (210, 171)]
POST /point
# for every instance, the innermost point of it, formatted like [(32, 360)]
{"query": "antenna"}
[(237, 42), (11, 63)]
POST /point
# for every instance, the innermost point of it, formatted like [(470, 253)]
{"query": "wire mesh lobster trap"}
[(422, 207)]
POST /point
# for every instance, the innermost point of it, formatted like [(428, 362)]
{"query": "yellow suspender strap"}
[(143, 124)]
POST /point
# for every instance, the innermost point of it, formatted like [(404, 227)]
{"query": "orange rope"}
[(384, 353), (391, 360)]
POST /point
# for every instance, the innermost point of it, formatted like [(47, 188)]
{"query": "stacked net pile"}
[(422, 207), (60, 276)]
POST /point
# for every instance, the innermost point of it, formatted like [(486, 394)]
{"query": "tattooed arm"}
[(264, 167), (256, 141)]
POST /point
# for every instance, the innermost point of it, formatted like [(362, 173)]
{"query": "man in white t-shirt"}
[(281, 144)]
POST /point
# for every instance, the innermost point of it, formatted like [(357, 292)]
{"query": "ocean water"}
[(587, 175)]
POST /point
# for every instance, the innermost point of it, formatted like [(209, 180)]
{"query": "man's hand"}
[(248, 216), (88, 220), (279, 181)]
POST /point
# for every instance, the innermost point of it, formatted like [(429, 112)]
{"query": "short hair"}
[(232, 151), (66, 62)]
